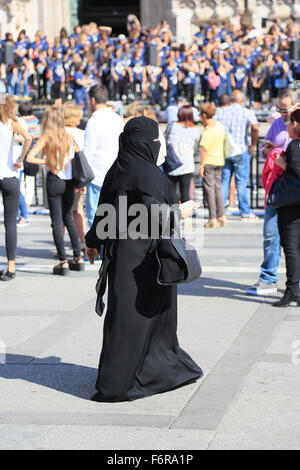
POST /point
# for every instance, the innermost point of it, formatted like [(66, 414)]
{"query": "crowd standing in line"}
[(219, 59)]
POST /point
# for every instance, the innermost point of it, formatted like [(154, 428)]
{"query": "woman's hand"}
[(80, 191), (268, 149), (280, 161), (92, 254), (188, 209)]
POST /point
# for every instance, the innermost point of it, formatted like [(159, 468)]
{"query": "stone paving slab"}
[(248, 397)]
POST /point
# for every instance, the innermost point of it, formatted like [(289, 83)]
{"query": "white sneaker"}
[(262, 288)]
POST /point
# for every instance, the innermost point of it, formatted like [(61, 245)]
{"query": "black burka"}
[(141, 355)]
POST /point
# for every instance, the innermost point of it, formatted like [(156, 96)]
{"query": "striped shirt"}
[(32, 122), (237, 120)]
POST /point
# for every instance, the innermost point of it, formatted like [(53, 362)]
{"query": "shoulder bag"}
[(82, 173), (285, 192), (172, 161)]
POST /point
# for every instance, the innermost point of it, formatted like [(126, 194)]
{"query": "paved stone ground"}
[(249, 397)]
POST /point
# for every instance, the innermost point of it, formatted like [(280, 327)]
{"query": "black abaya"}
[(140, 354)]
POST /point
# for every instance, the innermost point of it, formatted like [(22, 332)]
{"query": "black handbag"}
[(30, 169), (285, 192), (178, 261), (172, 161), (82, 173)]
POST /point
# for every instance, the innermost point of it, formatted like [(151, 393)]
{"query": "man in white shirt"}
[(101, 144)]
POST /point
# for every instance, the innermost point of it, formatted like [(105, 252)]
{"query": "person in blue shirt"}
[(57, 76), (171, 73), (190, 69), (239, 76), (137, 74), (81, 83), (119, 73), (41, 67)]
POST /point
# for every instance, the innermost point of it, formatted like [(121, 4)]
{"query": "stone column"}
[(183, 17)]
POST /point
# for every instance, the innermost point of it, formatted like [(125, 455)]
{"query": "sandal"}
[(7, 276), (75, 265), (59, 270)]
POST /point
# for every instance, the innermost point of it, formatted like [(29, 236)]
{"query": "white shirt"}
[(78, 136), (101, 142), (17, 146), (7, 169)]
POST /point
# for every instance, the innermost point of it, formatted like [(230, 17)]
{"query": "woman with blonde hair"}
[(9, 182), (58, 149), (72, 117)]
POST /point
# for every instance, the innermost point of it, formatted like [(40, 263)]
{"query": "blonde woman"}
[(9, 182), (72, 117), (58, 149)]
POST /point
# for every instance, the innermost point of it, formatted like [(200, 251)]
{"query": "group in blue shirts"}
[(220, 58)]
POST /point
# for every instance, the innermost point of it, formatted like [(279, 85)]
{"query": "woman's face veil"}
[(140, 139)]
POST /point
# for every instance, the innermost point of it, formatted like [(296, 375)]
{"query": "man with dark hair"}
[(99, 93), (101, 144)]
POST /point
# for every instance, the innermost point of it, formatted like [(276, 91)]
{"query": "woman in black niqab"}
[(141, 355)]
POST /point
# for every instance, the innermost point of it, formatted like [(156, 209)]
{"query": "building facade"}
[(184, 16), (31, 15)]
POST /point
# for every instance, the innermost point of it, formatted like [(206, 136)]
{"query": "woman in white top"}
[(9, 183), (58, 150), (72, 116), (184, 136)]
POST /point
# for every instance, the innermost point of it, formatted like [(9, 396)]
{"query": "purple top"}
[(278, 135)]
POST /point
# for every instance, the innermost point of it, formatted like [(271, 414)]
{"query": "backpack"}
[(214, 80)]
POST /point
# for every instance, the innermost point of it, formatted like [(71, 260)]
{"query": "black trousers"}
[(184, 182), (10, 188), (289, 229), (60, 199)]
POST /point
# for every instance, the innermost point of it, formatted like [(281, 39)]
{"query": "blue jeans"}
[(11, 83), (240, 167), (81, 97), (272, 251), (26, 84), (91, 204), (22, 204)]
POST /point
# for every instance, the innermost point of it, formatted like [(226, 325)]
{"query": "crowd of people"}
[(220, 59), (130, 159)]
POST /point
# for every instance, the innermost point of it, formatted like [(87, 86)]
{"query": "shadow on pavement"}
[(50, 372), (207, 287)]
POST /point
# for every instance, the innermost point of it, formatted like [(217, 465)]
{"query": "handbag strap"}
[(76, 147), (169, 129)]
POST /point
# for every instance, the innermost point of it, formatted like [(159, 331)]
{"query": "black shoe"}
[(288, 298), (60, 270), (7, 276), (74, 265)]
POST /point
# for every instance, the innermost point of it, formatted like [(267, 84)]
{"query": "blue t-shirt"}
[(78, 76), (240, 73), (119, 67), (172, 75), (137, 69), (58, 71)]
